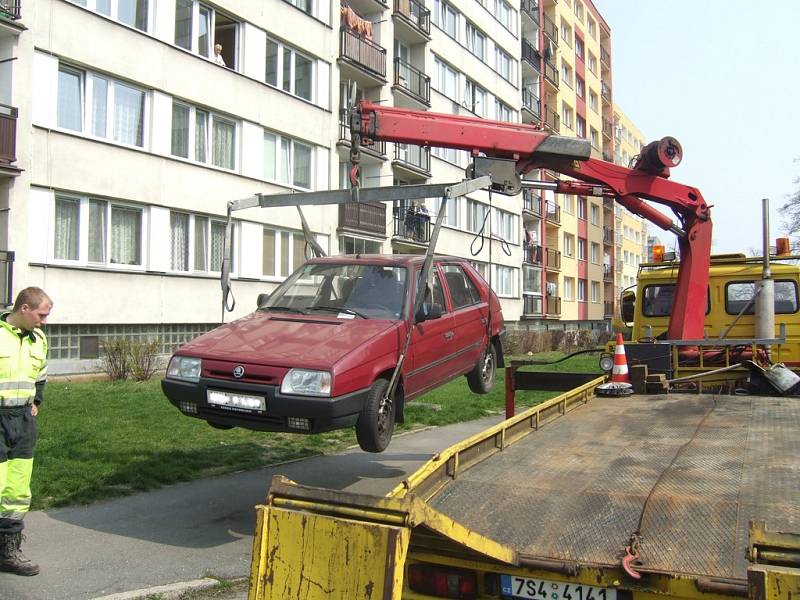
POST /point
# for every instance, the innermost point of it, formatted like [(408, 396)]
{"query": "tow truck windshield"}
[(347, 290)]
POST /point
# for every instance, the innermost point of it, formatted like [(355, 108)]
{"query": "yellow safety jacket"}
[(23, 364)]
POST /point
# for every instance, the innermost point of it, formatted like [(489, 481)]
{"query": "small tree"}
[(116, 360), (143, 359)]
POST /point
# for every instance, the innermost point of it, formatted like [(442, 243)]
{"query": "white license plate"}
[(541, 589), (234, 401)]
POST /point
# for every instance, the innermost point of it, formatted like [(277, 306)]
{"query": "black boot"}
[(12, 560)]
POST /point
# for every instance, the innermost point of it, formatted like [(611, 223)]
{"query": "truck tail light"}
[(443, 582)]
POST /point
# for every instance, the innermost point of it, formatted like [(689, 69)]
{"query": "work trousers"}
[(18, 433)]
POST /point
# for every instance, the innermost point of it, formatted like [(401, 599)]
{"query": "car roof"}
[(388, 260)]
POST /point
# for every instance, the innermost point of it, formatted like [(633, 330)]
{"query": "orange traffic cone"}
[(620, 371)]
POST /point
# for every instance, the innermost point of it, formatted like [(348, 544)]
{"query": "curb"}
[(169, 591)]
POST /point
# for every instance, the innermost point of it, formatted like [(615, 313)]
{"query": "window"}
[(446, 18), (566, 33), (451, 155), (581, 208), (568, 203), (445, 79), (505, 225), (505, 281), (569, 244), (595, 253), (593, 101), (578, 9), (288, 161), (476, 213), (580, 127), (569, 288), (192, 247), (290, 70), (203, 136), (502, 112), (581, 248), (462, 289), (199, 27), (505, 14), (737, 296), (101, 107), (591, 26), (283, 252), (475, 98), (355, 245), (594, 136), (481, 268), (129, 12), (579, 48), (594, 213), (94, 231), (531, 280), (580, 87), (503, 64), (566, 73), (451, 211), (581, 290), (476, 41), (595, 288), (566, 115), (592, 63)]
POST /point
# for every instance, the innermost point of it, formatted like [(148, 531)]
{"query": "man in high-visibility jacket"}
[(23, 371)]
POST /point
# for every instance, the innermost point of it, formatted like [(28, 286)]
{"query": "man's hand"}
[(34, 410)]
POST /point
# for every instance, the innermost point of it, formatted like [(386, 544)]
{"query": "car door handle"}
[(483, 320), (449, 335)]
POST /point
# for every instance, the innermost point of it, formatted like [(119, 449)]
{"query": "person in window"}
[(218, 55)]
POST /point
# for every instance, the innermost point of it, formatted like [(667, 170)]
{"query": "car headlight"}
[(184, 367), (308, 383)]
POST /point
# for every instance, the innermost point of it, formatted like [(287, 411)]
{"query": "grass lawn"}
[(104, 439)]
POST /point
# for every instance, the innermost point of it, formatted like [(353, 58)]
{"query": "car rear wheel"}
[(481, 378), (375, 424)]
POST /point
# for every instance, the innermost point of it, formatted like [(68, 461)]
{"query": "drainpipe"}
[(765, 301)]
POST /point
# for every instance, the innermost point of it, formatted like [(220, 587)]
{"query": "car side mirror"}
[(261, 300), (628, 306), (428, 312)]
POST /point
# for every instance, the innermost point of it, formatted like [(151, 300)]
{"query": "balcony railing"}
[(605, 91), (531, 202), (531, 305), (608, 128), (554, 305), (608, 235), (552, 212), (605, 57), (344, 135), (531, 102), (531, 55), (370, 218), (552, 259), (551, 119), (608, 273), (607, 156), (530, 8), (362, 51), (532, 253), (418, 157), (608, 308), (8, 134), (10, 9), (415, 12), (412, 226), (6, 277), (550, 72), (550, 29), (412, 80)]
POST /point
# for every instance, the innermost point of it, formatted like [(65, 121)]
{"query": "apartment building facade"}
[(121, 147)]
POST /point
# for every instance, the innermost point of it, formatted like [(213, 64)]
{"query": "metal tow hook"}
[(631, 558)]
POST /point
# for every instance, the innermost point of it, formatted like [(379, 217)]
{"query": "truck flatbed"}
[(576, 489)]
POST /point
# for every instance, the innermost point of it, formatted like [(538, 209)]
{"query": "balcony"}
[(416, 160), (608, 129), (552, 212), (414, 19), (8, 134), (530, 8), (551, 119), (608, 309), (605, 57), (554, 306), (552, 259), (608, 273), (531, 202), (6, 277), (377, 149), (412, 227), (532, 254), (608, 235), (607, 156), (363, 53), (531, 55), (368, 218), (550, 30), (551, 73), (531, 305), (605, 91), (10, 9), (412, 81), (531, 103)]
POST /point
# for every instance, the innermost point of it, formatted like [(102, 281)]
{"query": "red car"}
[(319, 352)]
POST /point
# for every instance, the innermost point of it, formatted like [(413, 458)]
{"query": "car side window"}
[(438, 293), (462, 289)]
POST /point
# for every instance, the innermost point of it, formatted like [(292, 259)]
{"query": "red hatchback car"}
[(319, 352)]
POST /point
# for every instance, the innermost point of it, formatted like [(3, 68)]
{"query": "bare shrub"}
[(584, 339), (116, 359), (556, 339), (143, 358)]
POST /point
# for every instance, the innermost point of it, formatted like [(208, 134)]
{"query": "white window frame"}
[(580, 127), (192, 240), (278, 254), (569, 245), (452, 213), (476, 213), (473, 35), (441, 81), (209, 141), (505, 15), (582, 252), (506, 225), (475, 98), (504, 64), (503, 112), (113, 12), (595, 253), (595, 291), (581, 290), (569, 289), (566, 115), (591, 62), (281, 169), (505, 281), (443, 15), (594, 214), (282, 48), (566, 73), (194, 48)]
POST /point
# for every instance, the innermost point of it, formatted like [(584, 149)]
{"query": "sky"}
[(723, 77)]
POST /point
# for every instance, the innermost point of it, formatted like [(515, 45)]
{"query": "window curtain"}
[(99, 106), (200, 135), (218, 246), (69, 100), (179, 242), (126, 229), (223, 138), (201, 243), (97, 231), (67, 221), (268, 256), (128, 115), (180, 130)]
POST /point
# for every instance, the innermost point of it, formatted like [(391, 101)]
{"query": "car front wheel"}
[(375, 424), (481, 378)]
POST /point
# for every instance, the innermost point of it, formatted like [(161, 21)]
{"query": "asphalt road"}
[(188, 531)]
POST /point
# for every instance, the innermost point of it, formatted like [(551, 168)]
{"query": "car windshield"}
[(346, 290)]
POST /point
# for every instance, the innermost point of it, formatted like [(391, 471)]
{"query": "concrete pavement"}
[(192, 530)]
